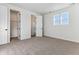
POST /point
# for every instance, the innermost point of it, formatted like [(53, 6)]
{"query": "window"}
[(65, 18), (57, 19), (61, 19)]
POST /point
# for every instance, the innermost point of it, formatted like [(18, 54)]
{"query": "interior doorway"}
[(33, 26), (14, 24)]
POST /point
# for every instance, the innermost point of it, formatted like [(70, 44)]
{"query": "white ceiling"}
[(41, 7)]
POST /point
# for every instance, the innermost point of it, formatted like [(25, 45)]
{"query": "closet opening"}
[(33, 26), (14, 25)]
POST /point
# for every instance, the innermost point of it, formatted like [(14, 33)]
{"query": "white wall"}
[(67, 32), (26, 25)]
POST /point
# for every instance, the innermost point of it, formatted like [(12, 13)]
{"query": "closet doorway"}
[(33, 26), (14, 25)]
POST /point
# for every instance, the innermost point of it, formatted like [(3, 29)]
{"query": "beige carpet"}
[(39, 46)]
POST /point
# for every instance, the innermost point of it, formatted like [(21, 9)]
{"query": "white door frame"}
[(10, 19)]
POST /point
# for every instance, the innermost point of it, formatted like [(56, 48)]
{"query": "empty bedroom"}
[(39, 29)]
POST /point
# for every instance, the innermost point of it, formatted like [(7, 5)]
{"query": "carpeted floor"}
[(40, 46)]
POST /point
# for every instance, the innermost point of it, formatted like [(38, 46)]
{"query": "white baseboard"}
[(76, 41)]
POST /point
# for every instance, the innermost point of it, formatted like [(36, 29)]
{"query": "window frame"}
[(60, 15)]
